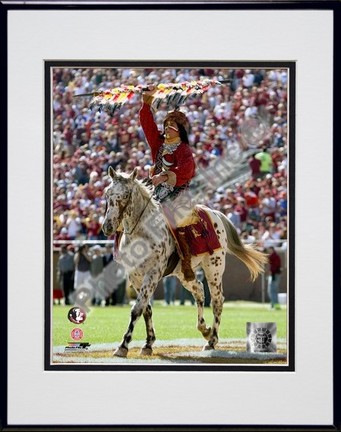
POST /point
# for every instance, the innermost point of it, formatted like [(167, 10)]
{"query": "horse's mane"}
[(146, 189)]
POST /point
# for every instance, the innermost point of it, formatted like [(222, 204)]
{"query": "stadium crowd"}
[(86, 142)]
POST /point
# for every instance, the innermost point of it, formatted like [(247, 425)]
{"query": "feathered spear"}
[(171, 94)]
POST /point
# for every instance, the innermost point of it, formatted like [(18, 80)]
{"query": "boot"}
[(186, 260)]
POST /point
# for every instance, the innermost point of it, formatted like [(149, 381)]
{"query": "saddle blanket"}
[(200, 234)]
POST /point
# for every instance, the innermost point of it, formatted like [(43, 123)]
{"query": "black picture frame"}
[(286, 6)]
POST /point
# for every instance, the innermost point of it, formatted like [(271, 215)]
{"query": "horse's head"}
[(118, 196)]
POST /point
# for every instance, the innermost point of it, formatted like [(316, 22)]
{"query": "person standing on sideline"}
[(114, 277), (66, 271), (96, 269), (169, 287), (202, 278), (274, 277), (82, 265)]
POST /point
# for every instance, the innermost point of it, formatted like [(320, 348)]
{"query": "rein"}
[(138, 219)]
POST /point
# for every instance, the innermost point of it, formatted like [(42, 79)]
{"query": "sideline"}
[(229, 349)]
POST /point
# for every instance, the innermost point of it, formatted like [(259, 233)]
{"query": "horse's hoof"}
[(121, 352), (208, 347), (145, 351), (207, 333)]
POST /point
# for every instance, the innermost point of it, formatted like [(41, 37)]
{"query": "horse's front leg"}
[(140, 307)]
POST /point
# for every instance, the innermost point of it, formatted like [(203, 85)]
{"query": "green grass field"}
[(107, 324)]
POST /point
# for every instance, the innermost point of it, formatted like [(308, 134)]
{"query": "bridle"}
[(138, 219), (120, 216)]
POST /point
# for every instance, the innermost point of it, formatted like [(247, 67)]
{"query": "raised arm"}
[(149, 126)]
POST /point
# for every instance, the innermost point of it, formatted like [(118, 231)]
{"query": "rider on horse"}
[(173, 169)]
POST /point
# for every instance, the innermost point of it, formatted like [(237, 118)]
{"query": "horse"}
[(145, 248)]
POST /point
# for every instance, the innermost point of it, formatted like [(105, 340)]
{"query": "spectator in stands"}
[(62, 234), (271, 236), (282, 203), (266, 161), (81, 171), (234, 217), (73, 225), (93, 227), (255, 166), (269, 206)]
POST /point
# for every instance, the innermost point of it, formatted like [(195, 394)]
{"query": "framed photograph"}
[(237, 115), (109, 99)]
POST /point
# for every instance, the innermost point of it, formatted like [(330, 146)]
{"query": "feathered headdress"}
[(179, 118)]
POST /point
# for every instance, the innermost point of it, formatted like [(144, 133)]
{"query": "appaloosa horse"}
[(145, 248)]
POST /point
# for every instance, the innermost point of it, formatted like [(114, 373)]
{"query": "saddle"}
[(199, 231)]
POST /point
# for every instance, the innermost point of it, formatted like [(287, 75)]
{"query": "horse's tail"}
[(254, 260)]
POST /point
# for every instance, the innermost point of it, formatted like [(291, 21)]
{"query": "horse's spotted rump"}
[(216, 261)]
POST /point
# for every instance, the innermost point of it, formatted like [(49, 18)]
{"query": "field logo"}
[(76, 315), (77, 334), (261, 337)]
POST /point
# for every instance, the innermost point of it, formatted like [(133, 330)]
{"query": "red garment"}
[(180, 162), (243, 212), (275, 263), (93, 228), (255, 164), (62, 237), (251, 199)]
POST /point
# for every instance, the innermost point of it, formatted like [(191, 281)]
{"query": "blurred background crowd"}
[(248, 115)]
